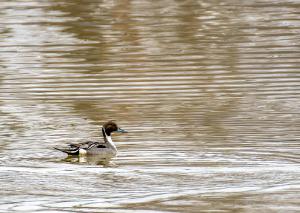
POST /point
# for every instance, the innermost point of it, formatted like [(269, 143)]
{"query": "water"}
[(208, 90)]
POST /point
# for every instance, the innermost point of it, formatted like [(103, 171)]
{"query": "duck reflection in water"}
[(92, 151), (90, 160)]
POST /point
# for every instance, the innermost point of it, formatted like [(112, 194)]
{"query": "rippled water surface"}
[(208, 90)]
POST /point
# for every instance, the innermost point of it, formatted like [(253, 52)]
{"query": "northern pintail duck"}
[(106, 148)]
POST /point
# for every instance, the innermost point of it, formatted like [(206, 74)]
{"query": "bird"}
[(105, 149)]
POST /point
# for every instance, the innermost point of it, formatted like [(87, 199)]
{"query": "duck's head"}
[(111, 126)]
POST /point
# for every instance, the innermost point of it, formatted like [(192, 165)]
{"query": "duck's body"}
[(105, 149)]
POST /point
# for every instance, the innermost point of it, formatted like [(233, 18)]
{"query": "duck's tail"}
[(69, 151)]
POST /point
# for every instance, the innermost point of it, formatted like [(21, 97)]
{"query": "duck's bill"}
[(121, 130)]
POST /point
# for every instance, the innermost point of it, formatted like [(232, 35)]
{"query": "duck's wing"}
[(84, 145), (73, 149)]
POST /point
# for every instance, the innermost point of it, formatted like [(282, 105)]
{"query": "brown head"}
[(110, 127)]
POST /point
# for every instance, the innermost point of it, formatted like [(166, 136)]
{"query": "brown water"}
[(209, 91)]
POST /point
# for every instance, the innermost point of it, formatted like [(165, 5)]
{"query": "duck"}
[(107, 148)]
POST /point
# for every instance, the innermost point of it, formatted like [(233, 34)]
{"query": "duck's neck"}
[(108, 140), (111, 143)]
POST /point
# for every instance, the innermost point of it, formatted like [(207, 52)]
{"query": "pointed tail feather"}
[(69, 151)]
